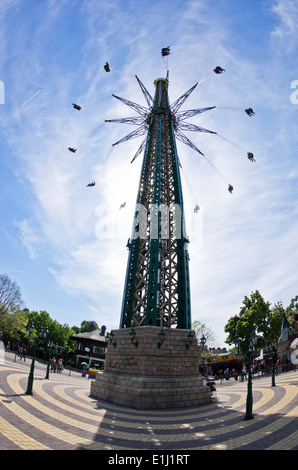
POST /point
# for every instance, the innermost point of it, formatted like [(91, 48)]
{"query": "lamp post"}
[(273, 364), (162, 336), (238, 355), (50, 346), (41, 334), (190, 340), (132, 335), (202, 346), (202, 341), (249, 400)]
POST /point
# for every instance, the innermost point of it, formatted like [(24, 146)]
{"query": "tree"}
[(10, 297), (75, 329), (274, 324), (201, 329), (88, 326), (255, 315), (57, 333), (14, 327), (292, 312)]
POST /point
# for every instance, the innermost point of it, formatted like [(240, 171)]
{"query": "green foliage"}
[(14, 327), (85, 326), (75, 329), (253, 317), (14, 322), (292, 310), (57, 333), (256, 316)]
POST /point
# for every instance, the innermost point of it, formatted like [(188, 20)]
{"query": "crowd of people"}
[(19, 351), (56, 365), (260, 368)]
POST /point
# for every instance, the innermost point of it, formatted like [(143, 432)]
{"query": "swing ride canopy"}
[(157, 284)]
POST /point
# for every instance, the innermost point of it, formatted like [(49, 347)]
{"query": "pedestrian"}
[(84, 371), (59, 365), (53, 364), (24, 352), (244, 372)]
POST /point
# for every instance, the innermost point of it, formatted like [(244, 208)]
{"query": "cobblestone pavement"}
[(60, 415)]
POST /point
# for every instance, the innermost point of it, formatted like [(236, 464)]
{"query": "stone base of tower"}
[(151, 372)]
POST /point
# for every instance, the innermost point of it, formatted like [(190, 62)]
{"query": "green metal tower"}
[(157, 285)]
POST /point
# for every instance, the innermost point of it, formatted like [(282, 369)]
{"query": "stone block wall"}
[(148, 373)]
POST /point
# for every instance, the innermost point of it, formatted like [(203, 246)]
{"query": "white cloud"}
[(30, 237), (286, 31)]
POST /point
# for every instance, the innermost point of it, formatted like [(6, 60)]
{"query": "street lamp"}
[(162, 336), (190, 340), (249, 400), (203, 341), (237, 342), (273, 364), (41, 335), (132, 335), (50, 345), (110, 337)]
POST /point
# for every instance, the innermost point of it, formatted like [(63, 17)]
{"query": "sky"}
[(65, 243)]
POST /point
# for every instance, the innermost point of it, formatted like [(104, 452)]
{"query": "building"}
[(91, 348), (287, 345)]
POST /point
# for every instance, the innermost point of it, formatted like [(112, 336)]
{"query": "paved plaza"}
[(60, 415)]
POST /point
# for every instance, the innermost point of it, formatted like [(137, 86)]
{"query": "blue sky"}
[(57, 239)]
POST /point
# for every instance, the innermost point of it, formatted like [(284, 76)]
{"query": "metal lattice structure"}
[(157, 286)]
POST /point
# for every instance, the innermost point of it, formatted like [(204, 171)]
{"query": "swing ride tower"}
[(152, 360), (157, 291)]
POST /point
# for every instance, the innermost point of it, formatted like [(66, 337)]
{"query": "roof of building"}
[(90, 335)]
